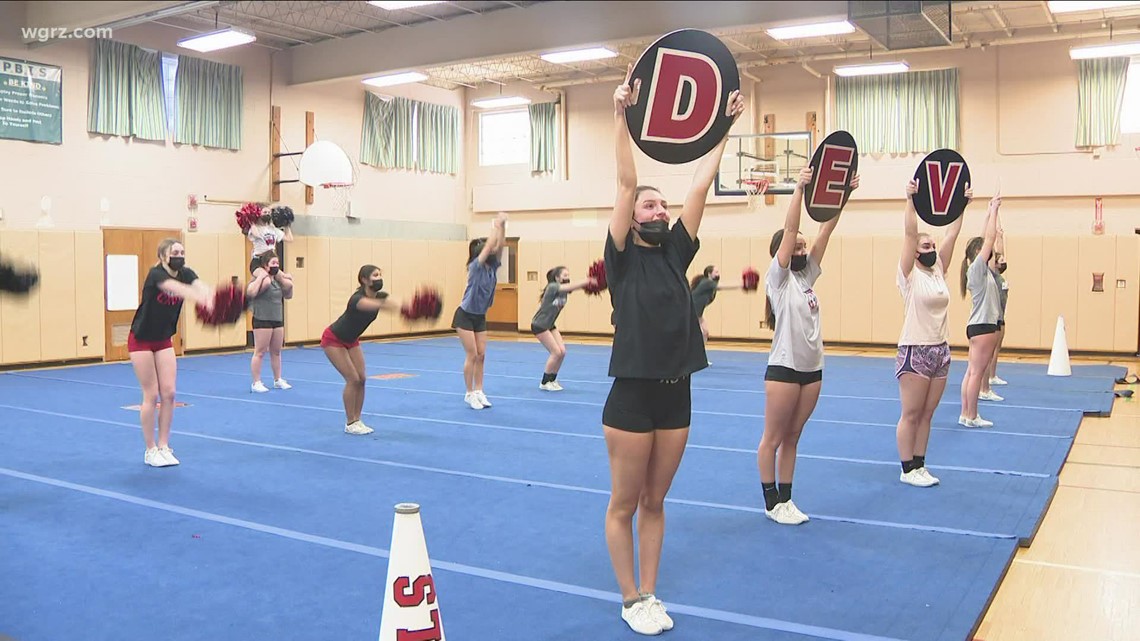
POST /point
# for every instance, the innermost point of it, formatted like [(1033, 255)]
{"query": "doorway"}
[(504, 312), (128, 254)]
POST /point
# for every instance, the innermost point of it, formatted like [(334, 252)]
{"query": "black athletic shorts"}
[(644, 405), (466, 320), (781, 374), (254, 264), (981, 330), (1001, 325), (264, 324), (536, 330)]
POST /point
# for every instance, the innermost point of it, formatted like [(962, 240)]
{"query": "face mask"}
[(928, 258), (378, 284), (176, 262), (799, 263), (565, 281), (274, 270), (1001, 268), (654, 232)]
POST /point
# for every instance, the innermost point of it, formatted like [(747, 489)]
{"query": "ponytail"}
[(773, 247), (551, 277), (972, 249)]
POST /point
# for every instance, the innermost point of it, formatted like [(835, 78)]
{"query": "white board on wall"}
[(122, 282)]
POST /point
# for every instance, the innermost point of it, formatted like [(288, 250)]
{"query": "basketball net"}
[(342, 197), (755, 188)]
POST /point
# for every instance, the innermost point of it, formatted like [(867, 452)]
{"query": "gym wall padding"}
[(1049, 276)]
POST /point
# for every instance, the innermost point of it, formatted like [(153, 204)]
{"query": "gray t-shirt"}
[(797, 342), (703, 294), (984, 292), (1003, 289), (268, 306), (552, 303), (481, 281)]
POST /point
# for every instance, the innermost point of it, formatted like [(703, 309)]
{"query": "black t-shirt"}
[(156, 319), (353, 321), (656, 333), (704, 294)]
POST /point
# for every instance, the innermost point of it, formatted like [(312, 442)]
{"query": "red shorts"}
[(135, 345), (329, 339)]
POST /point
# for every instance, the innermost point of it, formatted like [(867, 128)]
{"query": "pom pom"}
[(751, 280), (229, 305), (282, 216), (17, 281), (598, 274), (426, 304), (247, 216)]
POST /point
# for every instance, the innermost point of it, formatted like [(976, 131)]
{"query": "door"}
[(504, 312), (128, 254)]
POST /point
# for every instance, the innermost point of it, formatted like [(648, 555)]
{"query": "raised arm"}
[(990, 235), (910, 230), (819, 247), (694, 209), (792, 220), (286, 282), (496, 241), (946, 251), (622, 218), (999, 242), (570, 287)]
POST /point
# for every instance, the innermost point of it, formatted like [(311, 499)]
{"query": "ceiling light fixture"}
[(816, 30), (872, 70), (216, 40)]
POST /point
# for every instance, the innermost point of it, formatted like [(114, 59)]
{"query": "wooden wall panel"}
[(532, 277), (575, 317), (1059, 284), (202, 257), (711, 254), (297, 308), (886, 299), (1096, 314), (233, 261), (89, 328), (1023, 326), (855, 298), (319, 301), (57, 286), (1127, 308), (737, 255), (600, 308), (21, 313), (761, 260)]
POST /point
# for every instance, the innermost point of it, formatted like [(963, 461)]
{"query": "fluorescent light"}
[(578, 55), (395, 79), (812, 30), (1086, 5), (872, 70), (216, 40), (491, 103), (393, 6), (1105, 51)]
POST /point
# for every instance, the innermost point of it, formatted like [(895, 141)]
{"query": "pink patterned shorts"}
[(928, 361)]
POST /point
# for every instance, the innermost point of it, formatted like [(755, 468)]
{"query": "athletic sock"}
[(785, 493), (771, 495), (631, 602), (919, 461), (908, 466), (546, 378)]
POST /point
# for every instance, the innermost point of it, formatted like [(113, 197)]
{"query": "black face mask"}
[(378, 284), (565, 281), (176, 262), (1001, 268), (716, 277), (928, 258), (654, 232), (274, 270), (799, 263)]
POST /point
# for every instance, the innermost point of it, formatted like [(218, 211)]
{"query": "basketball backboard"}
[(775, 157), (325, 162)]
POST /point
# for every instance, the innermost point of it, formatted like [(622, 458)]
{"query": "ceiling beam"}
[(539, 27)]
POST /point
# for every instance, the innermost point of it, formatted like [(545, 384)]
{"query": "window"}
[(169, 69), (1130, 112), (504, 138)]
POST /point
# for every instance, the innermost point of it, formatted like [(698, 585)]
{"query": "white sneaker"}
[(989, 396), (997, 381), (556, 386), (282, 384), (973, 422), (167, 455), (258, 387), (548, 387), (983, 422), (640, 618), (357, 428), (482, 397), (658, 613), (781, 515), (153, 458), (472, 401), (796, 513), (926, 474), (915, 478)]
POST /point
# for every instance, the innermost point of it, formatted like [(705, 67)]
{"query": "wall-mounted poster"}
[(31, 101)]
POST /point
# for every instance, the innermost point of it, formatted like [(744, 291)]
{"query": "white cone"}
[(411, 611), (1059, 358)]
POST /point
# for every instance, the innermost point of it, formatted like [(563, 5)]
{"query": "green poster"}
[(31, 101)]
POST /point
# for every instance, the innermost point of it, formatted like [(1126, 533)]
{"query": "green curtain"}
[(900, 113), (1100, 96), (148, 101), (543, 137), (388, 137), (437, 138), (109, 88), (209, 96)]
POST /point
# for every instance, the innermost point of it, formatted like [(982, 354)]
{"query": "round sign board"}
[(834, 163), (942, 179)]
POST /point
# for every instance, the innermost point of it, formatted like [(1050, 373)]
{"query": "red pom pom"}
[(229, 306), (247, 216), (751, 280), (426, 304), (598, 273)]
